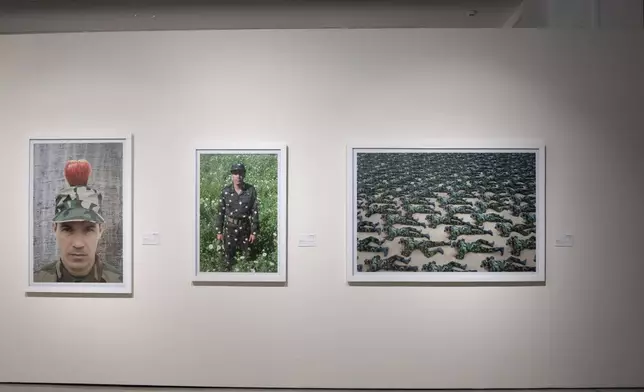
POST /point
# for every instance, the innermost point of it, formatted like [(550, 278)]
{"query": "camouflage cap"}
[(79, 203), (237, 167)]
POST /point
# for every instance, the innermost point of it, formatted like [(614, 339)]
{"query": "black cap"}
[(237, 167)]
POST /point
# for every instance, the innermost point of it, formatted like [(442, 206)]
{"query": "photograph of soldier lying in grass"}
[(238, 219), (446, 212)]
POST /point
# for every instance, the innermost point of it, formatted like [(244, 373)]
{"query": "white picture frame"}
[(111, 161), (267, 170), (383, 272)]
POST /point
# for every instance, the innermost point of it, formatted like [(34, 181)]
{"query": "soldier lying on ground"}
[(426, 193), (407, 268), (444, 201), (493, 205), (517, 260), (517, 210), (380, 209), (452, 266), (434, 220), (418, 244), (517, 244), (456, 231), (368, 204), (505, 229), (370, 239), (518, 198), (407, 200), (364, 245), (462, 192), (507, 265), (391, 219), (458, 209), (419, 209), (377, 263), (481, 218), (427, 247), (528, 217), (478, 246), (369, 227), (506, 201), (381, 199), (393, 232)]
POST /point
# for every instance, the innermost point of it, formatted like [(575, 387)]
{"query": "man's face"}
[(77, 243), (238, 177)]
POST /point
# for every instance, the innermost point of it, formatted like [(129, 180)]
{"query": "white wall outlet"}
[(151, 238), (565, 240)]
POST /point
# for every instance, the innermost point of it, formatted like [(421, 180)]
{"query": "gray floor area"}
[(82, 388)]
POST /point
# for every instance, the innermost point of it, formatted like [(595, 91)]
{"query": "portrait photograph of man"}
[(241, 209), (79, 215)]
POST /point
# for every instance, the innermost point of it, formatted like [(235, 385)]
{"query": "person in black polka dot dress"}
[(237, 220)]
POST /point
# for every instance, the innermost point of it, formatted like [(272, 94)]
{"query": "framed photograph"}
[(446, 212), (80, 215), (241, 214)]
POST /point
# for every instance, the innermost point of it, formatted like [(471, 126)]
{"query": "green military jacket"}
[(238, 209), (56, 272)]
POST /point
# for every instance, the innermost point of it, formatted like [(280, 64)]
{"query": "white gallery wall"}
[(316, 91)]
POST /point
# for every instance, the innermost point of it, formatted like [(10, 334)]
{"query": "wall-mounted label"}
[(565, 240), (151, 238), (307, 240)]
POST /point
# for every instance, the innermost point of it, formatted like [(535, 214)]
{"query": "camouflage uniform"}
[(78, 203), (237, 217), (376, 263), (481, 218), (457, 231), (393, 219), (505, 229), (427, 247), (511, 264), (452, 266), (364, 245), (460, 209), (518, 244), (368, 227), (411, 232), (478, 246), (56, 272), (434, 220), (419, 209), (493, 205), (380, 209)]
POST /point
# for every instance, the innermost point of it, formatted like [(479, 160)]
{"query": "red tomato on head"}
[(77, 172)]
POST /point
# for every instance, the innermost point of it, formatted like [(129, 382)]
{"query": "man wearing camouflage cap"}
[(78, 226), (237, 219)]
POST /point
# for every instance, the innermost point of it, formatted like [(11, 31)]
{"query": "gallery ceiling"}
[(49, 16)]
